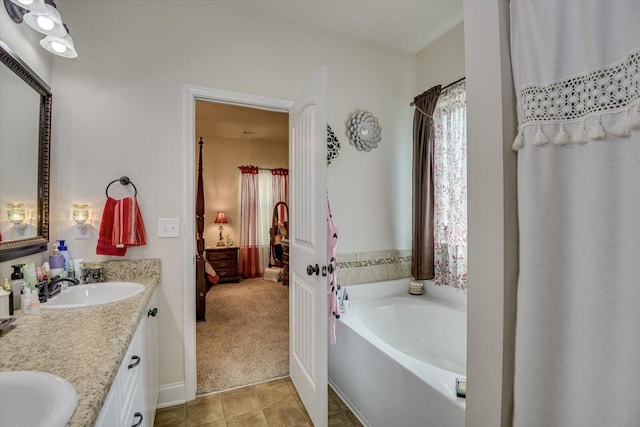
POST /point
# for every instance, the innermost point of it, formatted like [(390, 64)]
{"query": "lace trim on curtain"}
[(581, 99)]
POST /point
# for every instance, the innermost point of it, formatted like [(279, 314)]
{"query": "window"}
[(450, 187)]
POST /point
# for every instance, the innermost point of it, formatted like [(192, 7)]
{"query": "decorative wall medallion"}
[(364, 131), (333, 145)]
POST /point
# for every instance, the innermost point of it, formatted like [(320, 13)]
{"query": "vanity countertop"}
[(85, 346)]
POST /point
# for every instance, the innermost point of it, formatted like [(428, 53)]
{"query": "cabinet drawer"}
[(221, 255), (220, 265), (229, 272)]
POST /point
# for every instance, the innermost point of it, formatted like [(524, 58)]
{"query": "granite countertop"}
[(85, 346)]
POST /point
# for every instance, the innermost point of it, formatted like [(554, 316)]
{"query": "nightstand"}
[(225, 261)]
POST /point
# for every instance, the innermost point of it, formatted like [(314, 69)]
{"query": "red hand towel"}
[(105, 246), (128, 228)]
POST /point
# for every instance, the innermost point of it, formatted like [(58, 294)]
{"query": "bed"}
[(205, 274)]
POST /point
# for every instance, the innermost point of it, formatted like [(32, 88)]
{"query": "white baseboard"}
[(171, 395)]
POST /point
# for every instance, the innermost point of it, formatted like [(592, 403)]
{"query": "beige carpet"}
[(245, 339)]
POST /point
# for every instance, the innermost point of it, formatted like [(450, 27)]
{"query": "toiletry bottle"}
[(26, 299), (4, 304), (46, 271), (77, 265), (7, 287), (35, 302), (56, 261), (71, 272), (65, 254), (17, 282)]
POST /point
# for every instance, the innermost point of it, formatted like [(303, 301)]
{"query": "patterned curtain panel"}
[(450, 187), (249, 257)]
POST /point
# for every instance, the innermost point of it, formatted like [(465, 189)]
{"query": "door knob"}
[(311, 269)]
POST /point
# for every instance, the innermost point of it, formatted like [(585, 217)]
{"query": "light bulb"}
[(25, 2), (58, 47), (45, 23)]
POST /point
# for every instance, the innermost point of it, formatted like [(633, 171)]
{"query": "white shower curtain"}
[(576, 69)]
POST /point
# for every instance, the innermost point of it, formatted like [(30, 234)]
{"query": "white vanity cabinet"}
[(131, 401)]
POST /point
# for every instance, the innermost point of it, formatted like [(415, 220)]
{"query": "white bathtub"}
[(397, 355)]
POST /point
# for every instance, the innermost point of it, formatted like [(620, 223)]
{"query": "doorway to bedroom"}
[(245, 337)]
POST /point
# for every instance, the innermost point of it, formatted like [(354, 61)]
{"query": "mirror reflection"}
[(19, 128), (25, 116), (279, 231)]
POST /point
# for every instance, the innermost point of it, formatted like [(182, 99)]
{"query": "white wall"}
[(492, 204), (442, 62), (118, 111)]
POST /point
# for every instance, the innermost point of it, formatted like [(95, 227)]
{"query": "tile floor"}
[(274, 403)]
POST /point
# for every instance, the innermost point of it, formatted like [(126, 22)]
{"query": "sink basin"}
[(31, 398), (93, 294)]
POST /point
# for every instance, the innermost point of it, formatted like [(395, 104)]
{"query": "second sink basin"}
[(94, 294), (31, 398)]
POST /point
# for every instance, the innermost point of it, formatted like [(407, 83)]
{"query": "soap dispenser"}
[(17, 283), (56, 262)]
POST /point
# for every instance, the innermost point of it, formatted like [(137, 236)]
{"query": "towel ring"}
[(124, 181)]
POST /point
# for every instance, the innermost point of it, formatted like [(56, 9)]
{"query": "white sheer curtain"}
[(249, 265), (265, 211), (576, 67), (450, 187), (280, 186)]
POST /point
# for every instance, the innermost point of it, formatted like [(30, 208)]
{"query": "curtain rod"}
[(446, 87), (268, 169)]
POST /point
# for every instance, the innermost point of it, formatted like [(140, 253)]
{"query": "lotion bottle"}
[(35, 302), (56, 261), (26, 300)]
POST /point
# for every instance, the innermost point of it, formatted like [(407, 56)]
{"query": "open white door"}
[(308, 247)]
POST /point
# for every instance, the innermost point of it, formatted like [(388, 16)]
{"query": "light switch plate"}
[(168, 227)]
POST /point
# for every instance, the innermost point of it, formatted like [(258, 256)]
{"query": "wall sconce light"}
[(43, 16), (17, 215), (81, 216), (221, 218)]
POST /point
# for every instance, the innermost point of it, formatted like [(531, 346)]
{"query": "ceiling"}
[(215, 120), (407, 25)]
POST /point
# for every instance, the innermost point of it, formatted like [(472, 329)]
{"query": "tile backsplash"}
[(376, 266)]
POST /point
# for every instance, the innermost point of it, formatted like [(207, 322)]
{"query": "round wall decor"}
[(333, 145), (364, 131)]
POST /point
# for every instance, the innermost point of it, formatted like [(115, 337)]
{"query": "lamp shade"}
[(16, 212), (48, 22), (36, 6), (61, 46), (80, 213), (221, 218)]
